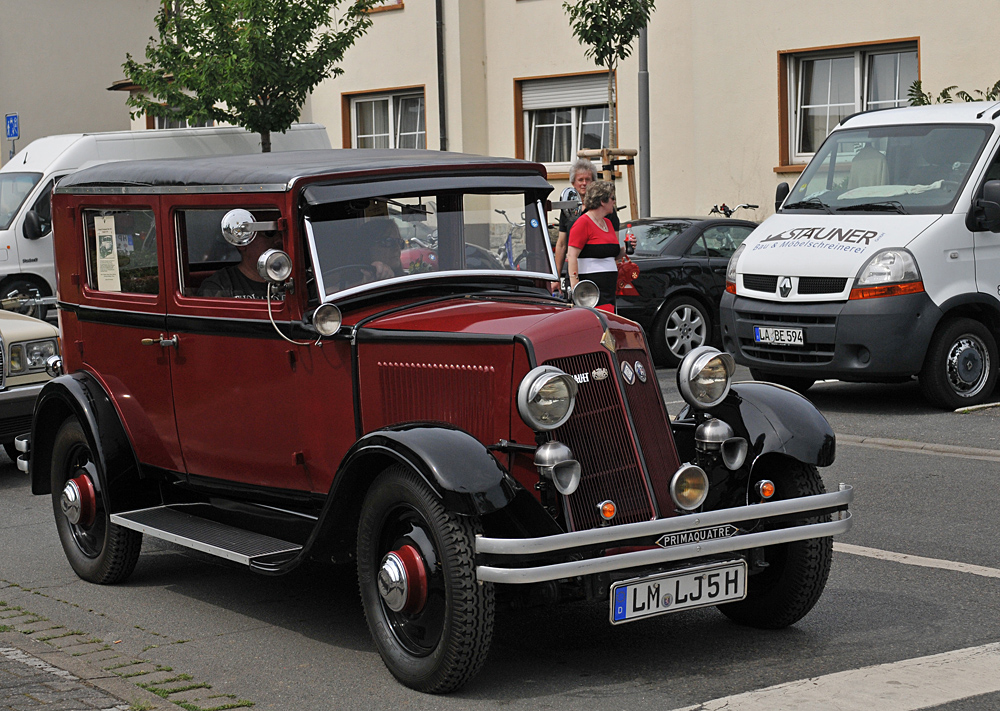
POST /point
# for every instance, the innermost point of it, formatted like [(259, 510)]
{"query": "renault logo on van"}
[(786, 287)]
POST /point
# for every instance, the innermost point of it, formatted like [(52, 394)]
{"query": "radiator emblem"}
[(697, 535), (599, 373), (628, 373), (608, 341), (786, 287), (640, 371)]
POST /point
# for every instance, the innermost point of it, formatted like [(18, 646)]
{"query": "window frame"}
[(390, 96), (522, 127), (790, 160)]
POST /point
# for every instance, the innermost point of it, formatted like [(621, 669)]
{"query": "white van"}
[(883, 262), (26, 186)]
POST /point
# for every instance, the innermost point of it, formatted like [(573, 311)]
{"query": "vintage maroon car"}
[(454, 430)]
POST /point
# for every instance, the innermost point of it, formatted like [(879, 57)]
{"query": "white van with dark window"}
[(26, 181), (883, 262)]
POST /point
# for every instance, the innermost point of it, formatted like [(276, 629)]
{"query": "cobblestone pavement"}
[(28, 683)]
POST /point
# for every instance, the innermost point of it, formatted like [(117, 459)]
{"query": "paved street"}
[(911, 602)]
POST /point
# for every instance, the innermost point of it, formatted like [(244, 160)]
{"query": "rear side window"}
[(121, 251)]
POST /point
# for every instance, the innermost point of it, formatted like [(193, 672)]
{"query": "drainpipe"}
[(442, 103), (643, 126)]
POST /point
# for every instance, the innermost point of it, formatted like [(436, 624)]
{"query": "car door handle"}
[(161, 341)]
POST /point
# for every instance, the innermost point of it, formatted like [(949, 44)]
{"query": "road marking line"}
[(900, 445), (906, 685), (917, 560)]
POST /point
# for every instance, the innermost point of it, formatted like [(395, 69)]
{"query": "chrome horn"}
[(555, 462)]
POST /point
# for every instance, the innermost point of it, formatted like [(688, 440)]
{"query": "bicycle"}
[(728, 211), (505, 252)]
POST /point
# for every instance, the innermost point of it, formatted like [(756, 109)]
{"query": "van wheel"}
[(431, 620), (795, 575), (25, 289), (682, 326), (799, 385), (960, 369), (98, 550)]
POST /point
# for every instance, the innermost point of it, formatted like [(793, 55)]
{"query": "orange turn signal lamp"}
[(731, 287), (765, 489), (607, 509), (875, 292)]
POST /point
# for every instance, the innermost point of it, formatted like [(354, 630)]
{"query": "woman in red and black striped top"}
[(593, 244)]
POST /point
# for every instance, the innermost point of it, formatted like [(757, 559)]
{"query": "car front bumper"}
[(507, 560), (16, 406)]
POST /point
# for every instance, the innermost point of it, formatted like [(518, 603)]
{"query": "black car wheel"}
[(782, 592), (799, 385), (960, 369), (98, 550), (682, 326), (431, 620)]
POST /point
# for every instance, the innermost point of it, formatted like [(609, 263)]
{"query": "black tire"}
[(441, 646), (799, 385), (682, 325), (960, 369), (8, 447), (100, 552), (25, 288), (793, 581)]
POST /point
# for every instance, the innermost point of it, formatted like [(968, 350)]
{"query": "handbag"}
[(627, 273)]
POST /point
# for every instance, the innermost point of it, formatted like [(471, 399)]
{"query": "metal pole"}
[(643, 126), (442, 104)]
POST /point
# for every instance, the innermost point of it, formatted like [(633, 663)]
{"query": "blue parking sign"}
[(13, 129)]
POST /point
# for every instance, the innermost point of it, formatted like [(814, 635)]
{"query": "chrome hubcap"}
[(70, 502), (392, 584), (968, 366)]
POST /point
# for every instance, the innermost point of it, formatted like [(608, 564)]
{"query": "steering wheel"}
[(347, 276)]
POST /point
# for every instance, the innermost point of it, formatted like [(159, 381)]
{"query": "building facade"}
[(58, 56)]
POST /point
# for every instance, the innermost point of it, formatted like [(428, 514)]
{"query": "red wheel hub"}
[(79, 501), (402, 580)]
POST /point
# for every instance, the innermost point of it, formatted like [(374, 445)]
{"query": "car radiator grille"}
[(822, 285), (760, 282), (600, 437), (15, 426), (3, 365)]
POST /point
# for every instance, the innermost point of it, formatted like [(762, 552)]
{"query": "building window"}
[(388, 121), (826, 86), (177, 121), (562, 115)]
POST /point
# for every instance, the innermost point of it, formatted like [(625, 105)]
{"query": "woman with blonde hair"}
[(593, 244)]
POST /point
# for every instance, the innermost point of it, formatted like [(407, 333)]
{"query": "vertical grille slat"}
[(3, 365), (600, 438)]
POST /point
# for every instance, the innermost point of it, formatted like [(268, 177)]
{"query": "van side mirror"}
[(780, 194), (985, 213), (34, 227)]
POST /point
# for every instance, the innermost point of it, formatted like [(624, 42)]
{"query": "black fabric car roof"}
[(279, 170)]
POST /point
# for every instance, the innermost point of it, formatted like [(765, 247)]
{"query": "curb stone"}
[(87, 672)]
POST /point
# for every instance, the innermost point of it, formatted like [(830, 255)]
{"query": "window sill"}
[(797, 168)]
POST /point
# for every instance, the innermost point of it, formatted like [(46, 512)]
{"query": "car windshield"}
[(903, 169), (358, 242), (651, 239), (14, 188)]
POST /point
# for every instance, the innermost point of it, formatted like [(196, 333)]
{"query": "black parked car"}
[(682, 262)]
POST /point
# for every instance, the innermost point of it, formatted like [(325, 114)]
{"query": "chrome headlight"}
[(704, 377), (586, 293), (689, 487), (545, 397), (30, 357), (890, 266), (327, 319), (274, 266)]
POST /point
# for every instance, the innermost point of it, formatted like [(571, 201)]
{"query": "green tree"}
[(608, 28), (918, 97), (251, 63)]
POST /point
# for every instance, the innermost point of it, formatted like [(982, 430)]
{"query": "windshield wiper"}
[(810, 204), (882, 206)]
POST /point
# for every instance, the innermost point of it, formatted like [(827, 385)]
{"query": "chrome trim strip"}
[(557, 571), (612, 534), (173, 189), (17, 393), (67, 306)]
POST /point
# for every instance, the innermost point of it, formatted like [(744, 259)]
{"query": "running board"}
[(173, 524)]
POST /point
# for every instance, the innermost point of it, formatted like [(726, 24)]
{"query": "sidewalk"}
[(34, 676)]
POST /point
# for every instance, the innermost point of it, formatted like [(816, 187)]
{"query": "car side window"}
[(698, 248), (722, 240), (208, 263), (43, 207), (121, 251)]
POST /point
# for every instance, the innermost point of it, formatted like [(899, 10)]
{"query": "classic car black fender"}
[(456, 466), (776, 419), (81, 395)]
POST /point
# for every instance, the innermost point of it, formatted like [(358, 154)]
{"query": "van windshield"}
[(14, 188), (903, 169), (358, 242)]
